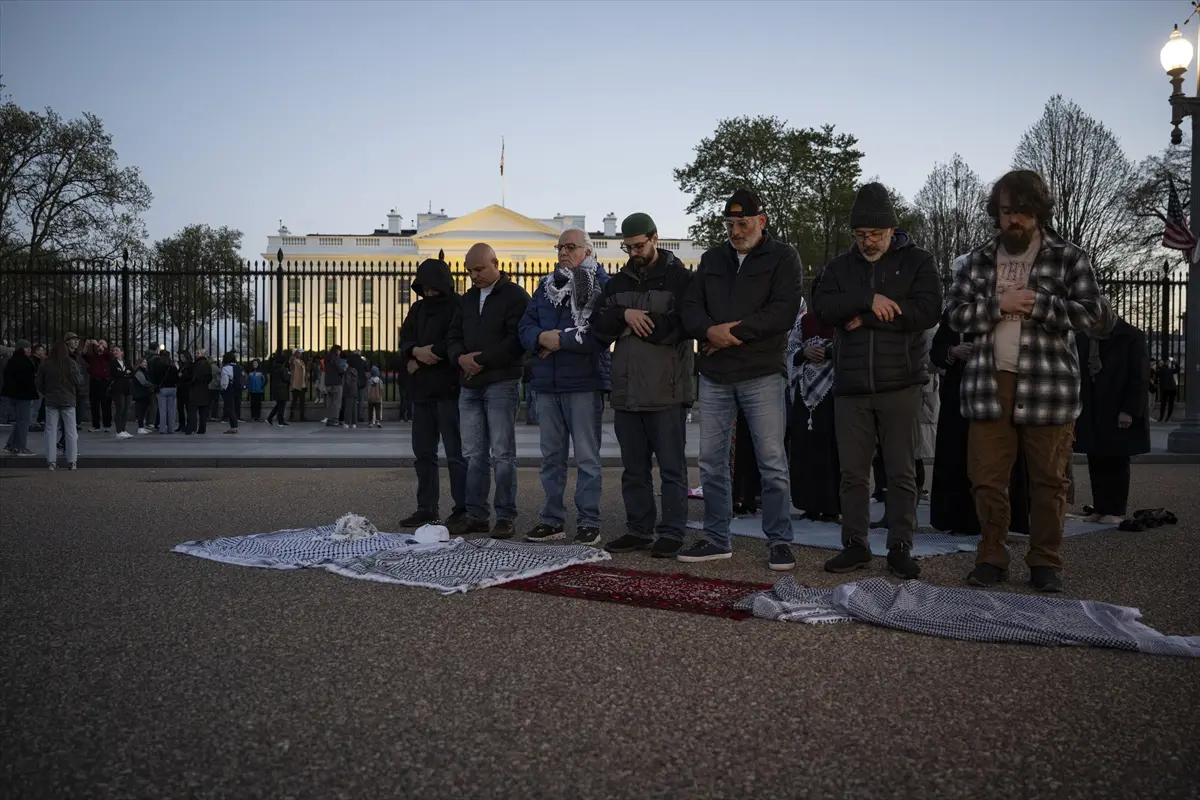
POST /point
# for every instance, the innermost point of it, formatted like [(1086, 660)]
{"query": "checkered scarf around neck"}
[(1100, 331), (579, 288), (815, 380)]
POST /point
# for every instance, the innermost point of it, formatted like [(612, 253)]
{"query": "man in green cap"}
[(651, 385)]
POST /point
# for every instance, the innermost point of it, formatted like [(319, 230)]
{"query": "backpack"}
[(238, 382), (374, 392)]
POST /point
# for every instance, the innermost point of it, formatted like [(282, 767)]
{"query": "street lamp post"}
[(1175, 57)]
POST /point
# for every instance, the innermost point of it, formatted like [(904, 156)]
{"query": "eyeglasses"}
[(741, 223), (570, 247), (862, 237), (632, 247)]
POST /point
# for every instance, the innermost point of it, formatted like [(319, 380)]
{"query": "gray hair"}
[(200, 352), (587, 240)]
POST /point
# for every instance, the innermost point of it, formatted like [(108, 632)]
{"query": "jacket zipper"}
[(871, 339)]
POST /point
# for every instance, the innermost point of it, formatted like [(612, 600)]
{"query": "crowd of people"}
[(805, 399)]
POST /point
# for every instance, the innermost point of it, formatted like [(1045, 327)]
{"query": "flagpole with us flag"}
[(502, 203), (1176, 235)]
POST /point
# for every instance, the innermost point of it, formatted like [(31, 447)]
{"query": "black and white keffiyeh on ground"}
[(970, 615), (423, 559)]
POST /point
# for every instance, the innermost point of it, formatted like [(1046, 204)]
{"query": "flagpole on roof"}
[(502, 203)]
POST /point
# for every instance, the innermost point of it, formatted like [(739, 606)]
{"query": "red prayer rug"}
[(649, 589)]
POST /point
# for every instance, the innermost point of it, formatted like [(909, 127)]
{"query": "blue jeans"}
[(65, 416), (762, 402), (531, 410), (486, 416), (565, 417), (166, 409), (19, 435)]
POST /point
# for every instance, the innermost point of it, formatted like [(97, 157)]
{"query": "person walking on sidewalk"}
[(1025, 294), (299, 385), (60, 380), (881, 296), (120, 379), (433, 380), (198, 397), (741, 305), (335, 372), (570, 369), (640, 314), (484, 343), (232, 383), (281, 378)]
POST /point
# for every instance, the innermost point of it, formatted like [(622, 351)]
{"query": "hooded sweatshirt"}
[(428, 323)]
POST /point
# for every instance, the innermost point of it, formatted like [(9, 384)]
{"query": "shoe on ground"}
[(124, 435), (986, 575), (108, 430), (52, 466), (353, 427), (703, 551), (780, 558), (504, 529), (325, 421), (419, 518), (459, 524), (72, 466), (586, 535), (1045, 579), (665, 548), (284, 424), (143, 431), (24, 452), (93, 430), (629, 543), (851, 558), (901, 562), (8, 451), (230, 431), (545, 533)]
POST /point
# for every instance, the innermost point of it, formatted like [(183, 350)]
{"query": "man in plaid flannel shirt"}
[(1023, 294)]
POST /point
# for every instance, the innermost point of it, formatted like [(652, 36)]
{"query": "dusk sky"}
[(325, 115)]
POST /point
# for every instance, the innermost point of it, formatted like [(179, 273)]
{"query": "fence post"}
[(1165, 334), (279, 320), (125, 305)]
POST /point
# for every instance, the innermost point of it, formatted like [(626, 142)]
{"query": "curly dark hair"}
[(1027, 194)]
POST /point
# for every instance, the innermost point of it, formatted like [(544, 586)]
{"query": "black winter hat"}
[(873, 208)]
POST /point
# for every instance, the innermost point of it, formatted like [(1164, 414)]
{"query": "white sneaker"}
[(325, 421), (124, 435), (108, 430), (352, 427), (143, 431)]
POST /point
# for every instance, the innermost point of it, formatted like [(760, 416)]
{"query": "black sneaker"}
[(851, 558), (703, 551), (586, 535), (987, 575), (780, 558), (505, 529), (473, 526), (901, 562), (545, 533), (629, 543), (664, 547), (459, 524), (1045, 579), (419, 518)]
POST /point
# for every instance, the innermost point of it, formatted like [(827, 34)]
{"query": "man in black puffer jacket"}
[(740, 307), (433, 387), (881, 296)]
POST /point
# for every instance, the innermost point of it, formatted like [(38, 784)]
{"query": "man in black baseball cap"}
[(741, 306)]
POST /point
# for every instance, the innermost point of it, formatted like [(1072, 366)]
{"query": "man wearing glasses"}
[(881, 296), (651, 382), (741, 306), (570, 369)]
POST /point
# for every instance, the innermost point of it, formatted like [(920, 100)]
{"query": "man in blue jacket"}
[(570, 369)]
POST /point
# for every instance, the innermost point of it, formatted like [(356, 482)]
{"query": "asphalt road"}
[(131, 671)]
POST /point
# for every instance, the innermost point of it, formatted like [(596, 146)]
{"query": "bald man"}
[(484, 344)]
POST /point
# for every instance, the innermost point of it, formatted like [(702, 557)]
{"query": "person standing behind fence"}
[(21, 390), (1168, 388), (141, 390), (97, 357), (232, 380), (374, 399), (60, 380), (350, 397), (168, 384), (256, 384), (335, 371), (198, 396), (119, 375), (214, 395), (298, 383), (281, 380), (183, 389), (82, 406)]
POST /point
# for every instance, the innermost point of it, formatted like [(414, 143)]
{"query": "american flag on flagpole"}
[(502, 155), (1176, 235)]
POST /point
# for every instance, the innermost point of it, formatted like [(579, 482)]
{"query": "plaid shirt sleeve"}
[(971, 308), (1080, 308)]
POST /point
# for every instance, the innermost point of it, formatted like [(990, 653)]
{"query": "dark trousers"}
[(278, 411), (256, 401), (233, 407), (640, 435), (431, 420), (297, 404), (120, 411), (197, 419), (214, 404), (1110, 484), (1166, 406), (140, 409), (890, 418), (181, 409), (101, 402)]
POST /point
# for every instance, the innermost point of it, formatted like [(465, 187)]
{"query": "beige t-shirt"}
[(1012, 272)]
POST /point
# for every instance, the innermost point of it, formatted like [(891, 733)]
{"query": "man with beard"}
[(741, 306), (433, 382), (569, 370), (881, 296), (1022, 294), (651, 383), (484, 344)]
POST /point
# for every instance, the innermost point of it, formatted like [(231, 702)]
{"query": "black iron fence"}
[(264, 308)]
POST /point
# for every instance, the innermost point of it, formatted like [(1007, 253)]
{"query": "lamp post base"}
[(1185, 438)]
